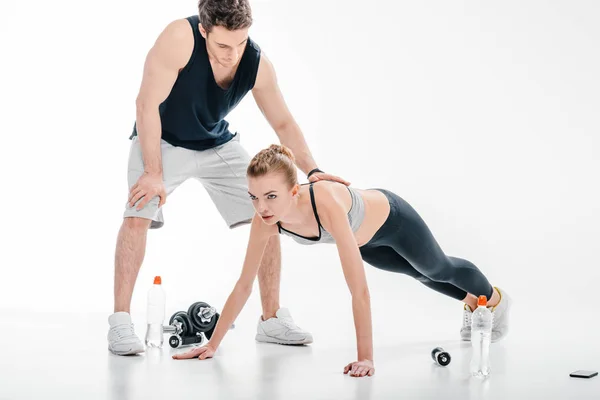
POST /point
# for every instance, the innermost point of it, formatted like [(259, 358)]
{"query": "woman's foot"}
[(465, 331), (500, 315)]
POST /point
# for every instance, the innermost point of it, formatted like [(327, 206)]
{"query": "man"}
[(198, 70)]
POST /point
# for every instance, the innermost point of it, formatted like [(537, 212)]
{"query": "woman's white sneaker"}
[(465, 330), (500, 313)]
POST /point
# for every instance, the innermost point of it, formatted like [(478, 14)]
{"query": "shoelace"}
[(123, 331), (467, 318)]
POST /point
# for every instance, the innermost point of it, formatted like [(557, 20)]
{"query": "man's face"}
[(226, 46)]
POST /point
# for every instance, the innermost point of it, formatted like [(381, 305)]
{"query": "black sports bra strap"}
[(314, 207)]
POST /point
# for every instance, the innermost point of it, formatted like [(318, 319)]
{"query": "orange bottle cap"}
[(157, 280), (482, 301)]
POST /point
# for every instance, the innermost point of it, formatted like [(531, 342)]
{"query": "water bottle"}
[(481, 337), (155, 314)]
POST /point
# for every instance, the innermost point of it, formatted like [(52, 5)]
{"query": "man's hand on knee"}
[(147, 186)]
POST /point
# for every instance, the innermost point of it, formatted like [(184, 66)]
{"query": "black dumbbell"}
[(194, 326), (440, 356), (203, 316), (182, 330)]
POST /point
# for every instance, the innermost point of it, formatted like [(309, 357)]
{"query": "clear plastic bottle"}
[(155, 314), (481, 337)]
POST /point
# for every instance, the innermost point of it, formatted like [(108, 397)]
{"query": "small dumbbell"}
[(194, 326), (182, 331), (204, 318), (440, 356)]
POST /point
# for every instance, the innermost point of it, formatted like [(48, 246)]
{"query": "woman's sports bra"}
[(356, 216)]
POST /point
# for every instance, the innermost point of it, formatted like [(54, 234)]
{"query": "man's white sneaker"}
[(500, 313), (281, 330), (465, 331), (122, 339)]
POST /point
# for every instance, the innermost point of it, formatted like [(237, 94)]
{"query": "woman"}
[(374, 225)]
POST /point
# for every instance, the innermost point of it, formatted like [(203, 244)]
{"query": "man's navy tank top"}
[(192, 116)]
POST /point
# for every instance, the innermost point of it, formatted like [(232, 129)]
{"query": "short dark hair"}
[(230, 14)]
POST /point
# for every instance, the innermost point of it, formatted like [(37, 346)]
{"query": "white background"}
[(482, 116)]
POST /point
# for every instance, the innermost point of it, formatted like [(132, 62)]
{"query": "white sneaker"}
[(465, 331), (500, 312), (281, 330), (122, 339)]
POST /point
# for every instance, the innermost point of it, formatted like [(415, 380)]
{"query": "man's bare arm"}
[(271, 103), (169, 54)]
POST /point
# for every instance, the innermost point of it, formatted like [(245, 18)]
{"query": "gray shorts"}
[(222, 171)]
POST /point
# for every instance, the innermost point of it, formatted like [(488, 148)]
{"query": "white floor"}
[(62, 356)]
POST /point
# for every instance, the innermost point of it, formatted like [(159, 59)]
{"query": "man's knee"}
[(273, 247), (271, 259), (274, 242), (136, 224)]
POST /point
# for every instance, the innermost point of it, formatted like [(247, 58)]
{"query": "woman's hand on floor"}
[(360, 368), (202, 353)]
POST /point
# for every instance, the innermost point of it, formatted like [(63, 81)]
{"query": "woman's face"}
[(271, 196)]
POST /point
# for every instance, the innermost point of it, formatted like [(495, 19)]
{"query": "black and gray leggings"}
[(405, 244)]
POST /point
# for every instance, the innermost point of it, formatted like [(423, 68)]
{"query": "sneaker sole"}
[(129, 352), (270, 339)]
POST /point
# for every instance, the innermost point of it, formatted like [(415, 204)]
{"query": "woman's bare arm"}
[(259, 236), (334, 219)]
